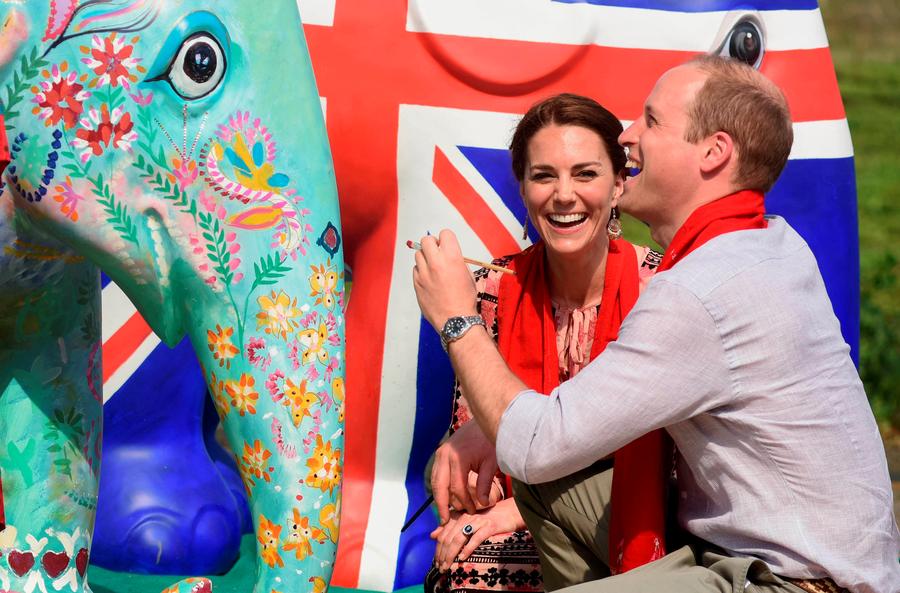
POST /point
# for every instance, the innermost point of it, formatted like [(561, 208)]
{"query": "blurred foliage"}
[(865, 45)]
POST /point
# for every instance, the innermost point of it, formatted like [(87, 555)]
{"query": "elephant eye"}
[(198, 66), (745, 42)]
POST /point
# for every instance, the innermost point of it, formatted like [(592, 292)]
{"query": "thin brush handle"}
[(470, 261)]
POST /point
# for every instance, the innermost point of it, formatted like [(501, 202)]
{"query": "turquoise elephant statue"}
[(182, 150)]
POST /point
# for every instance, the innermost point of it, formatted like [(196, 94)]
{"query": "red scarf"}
[(638, 514), (739, 211)]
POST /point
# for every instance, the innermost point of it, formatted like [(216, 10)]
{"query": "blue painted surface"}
[(191, 509), (495, 166), (434, 399)]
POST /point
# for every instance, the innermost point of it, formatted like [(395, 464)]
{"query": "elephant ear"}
[(61, 12)]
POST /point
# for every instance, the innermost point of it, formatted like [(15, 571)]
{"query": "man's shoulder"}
[(769, 253)]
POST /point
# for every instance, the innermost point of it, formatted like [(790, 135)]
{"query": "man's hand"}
[(443, 283), (466, 450)]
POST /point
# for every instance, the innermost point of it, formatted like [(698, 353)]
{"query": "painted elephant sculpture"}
[(179, 150)]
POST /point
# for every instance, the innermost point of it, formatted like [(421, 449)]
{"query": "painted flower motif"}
[(278, 313), (258, 355), (219, 343), (59, 97), (99, 130), (324, 466), (68, 199), (268, 537), (198, 585), (330, 518), (184, 173), (141, 99), (243, 397), (217, 387), (256, 461), (301, 534), (111, 60)]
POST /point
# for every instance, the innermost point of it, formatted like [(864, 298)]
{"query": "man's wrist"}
[(477, 329), (458, 326)]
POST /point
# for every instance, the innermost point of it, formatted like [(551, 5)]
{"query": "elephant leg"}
[(50, 432)]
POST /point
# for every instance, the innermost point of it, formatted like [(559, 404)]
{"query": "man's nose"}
[(629, 134)]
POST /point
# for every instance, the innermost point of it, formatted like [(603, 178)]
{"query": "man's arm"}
[(444, 289)]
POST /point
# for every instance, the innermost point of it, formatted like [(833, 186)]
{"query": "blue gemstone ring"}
[(468, 530)]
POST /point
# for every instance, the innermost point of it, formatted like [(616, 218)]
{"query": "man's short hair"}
[(750, 108)]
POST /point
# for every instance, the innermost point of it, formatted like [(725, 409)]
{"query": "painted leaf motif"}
[(257, 218)]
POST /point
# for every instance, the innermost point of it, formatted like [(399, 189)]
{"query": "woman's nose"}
[(565, 190)]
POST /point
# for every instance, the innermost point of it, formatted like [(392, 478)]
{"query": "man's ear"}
[(718, 151)]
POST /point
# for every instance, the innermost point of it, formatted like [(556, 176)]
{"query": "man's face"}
[(656, 145)]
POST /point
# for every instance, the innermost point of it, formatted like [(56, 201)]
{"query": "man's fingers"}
[(459, 487), (449, 243), (429, 246), (440, 485), (483, 487)]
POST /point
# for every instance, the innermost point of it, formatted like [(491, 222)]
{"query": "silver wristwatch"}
[(456, 327)]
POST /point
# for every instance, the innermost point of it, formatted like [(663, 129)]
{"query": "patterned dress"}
[(509, 561)]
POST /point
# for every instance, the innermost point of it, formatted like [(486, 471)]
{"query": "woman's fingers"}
[(477, 538)]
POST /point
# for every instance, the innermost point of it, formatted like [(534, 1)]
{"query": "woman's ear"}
[(618, 188)]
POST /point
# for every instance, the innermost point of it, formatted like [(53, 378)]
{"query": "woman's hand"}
[(452, 543)]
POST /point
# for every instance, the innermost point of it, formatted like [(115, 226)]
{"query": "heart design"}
[(81, 561), (54, 563), (20, 562)]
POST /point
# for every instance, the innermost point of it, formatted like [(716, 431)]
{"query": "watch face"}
[(454, 326)]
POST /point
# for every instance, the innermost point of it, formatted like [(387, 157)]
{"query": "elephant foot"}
[(159, 543)]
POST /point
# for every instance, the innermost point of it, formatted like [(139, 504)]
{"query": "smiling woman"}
[(564, 304)]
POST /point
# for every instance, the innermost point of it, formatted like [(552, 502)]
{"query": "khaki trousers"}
[(569, 519)]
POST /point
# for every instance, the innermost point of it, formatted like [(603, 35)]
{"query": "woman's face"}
[(569, 189)]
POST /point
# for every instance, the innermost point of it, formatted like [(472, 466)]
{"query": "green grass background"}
[(865, 43)]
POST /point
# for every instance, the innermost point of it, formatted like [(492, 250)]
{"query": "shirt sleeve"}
[(668, 365)]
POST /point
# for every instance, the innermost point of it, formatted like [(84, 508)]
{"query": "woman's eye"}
[(198, 66), (587, 174), (540, 176)]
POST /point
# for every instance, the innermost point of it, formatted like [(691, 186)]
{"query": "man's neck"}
[(664, 232)]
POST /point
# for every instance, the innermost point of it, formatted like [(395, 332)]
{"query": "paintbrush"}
[(468, 260)]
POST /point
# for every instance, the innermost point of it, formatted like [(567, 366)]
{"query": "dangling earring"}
[(525, 228), (614, 227)]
